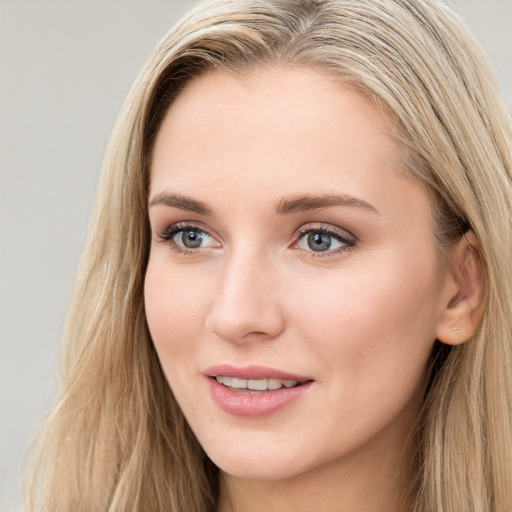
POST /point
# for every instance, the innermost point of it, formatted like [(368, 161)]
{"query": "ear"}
[(465, 293)]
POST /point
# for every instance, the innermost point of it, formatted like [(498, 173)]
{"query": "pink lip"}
[(260, 403), (253, 372)]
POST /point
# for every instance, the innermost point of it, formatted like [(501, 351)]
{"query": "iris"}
[(319, 242)]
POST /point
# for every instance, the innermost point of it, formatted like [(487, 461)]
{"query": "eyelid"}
[(345, 237), (166, 236)]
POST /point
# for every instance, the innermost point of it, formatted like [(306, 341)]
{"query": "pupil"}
[(319, 242), (192, 239)]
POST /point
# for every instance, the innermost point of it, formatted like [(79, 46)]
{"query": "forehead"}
[(278, 95), (274, 132)]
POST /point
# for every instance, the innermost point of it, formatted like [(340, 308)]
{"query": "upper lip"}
[(253, 372)]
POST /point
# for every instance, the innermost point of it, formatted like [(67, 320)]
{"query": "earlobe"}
[(465, 299)]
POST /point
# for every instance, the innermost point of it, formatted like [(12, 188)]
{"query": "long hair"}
[(115, 439)]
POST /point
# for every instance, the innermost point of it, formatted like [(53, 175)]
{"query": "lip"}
[(258, 404), (253, 372)]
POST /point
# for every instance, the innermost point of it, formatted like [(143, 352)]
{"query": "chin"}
[(263, 470), (257, 462)]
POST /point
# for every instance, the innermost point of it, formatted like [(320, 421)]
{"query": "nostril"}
[(255, 334)]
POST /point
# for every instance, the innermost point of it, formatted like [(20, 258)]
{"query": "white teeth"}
[(255, 384), (274, 383), (224, 380), (238, 383)]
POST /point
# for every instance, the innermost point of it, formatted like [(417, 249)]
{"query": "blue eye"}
[(182, 237), (191, 238), (323, 240)]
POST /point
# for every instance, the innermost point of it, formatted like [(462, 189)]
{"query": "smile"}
[(255, 384), (254, 391)]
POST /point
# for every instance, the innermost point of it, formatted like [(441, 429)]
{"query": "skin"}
[(360, 320)]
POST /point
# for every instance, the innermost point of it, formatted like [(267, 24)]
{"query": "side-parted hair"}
[(115, 440)]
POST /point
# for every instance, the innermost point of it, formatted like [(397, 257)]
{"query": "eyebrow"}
[(315, 202), (181, 202), (284, 206)]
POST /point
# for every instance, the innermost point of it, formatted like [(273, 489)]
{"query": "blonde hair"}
[(115, 439)]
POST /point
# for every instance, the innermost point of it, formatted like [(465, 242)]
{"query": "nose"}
[(247, 306)]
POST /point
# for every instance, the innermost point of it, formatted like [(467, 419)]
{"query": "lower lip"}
[(254, 405)]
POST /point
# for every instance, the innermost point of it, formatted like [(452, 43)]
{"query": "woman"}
[(295, 294)]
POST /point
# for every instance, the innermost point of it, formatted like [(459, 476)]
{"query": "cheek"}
[(372, 329), (176, 310)]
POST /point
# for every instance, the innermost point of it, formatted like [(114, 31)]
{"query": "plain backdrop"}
[(65, 67)]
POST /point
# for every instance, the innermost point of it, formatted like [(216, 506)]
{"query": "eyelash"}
[(347, 240), (168, 234)]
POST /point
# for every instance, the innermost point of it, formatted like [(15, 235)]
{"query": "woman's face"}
[(293, 289)]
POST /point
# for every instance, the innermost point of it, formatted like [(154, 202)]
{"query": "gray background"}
[(65, 67)]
